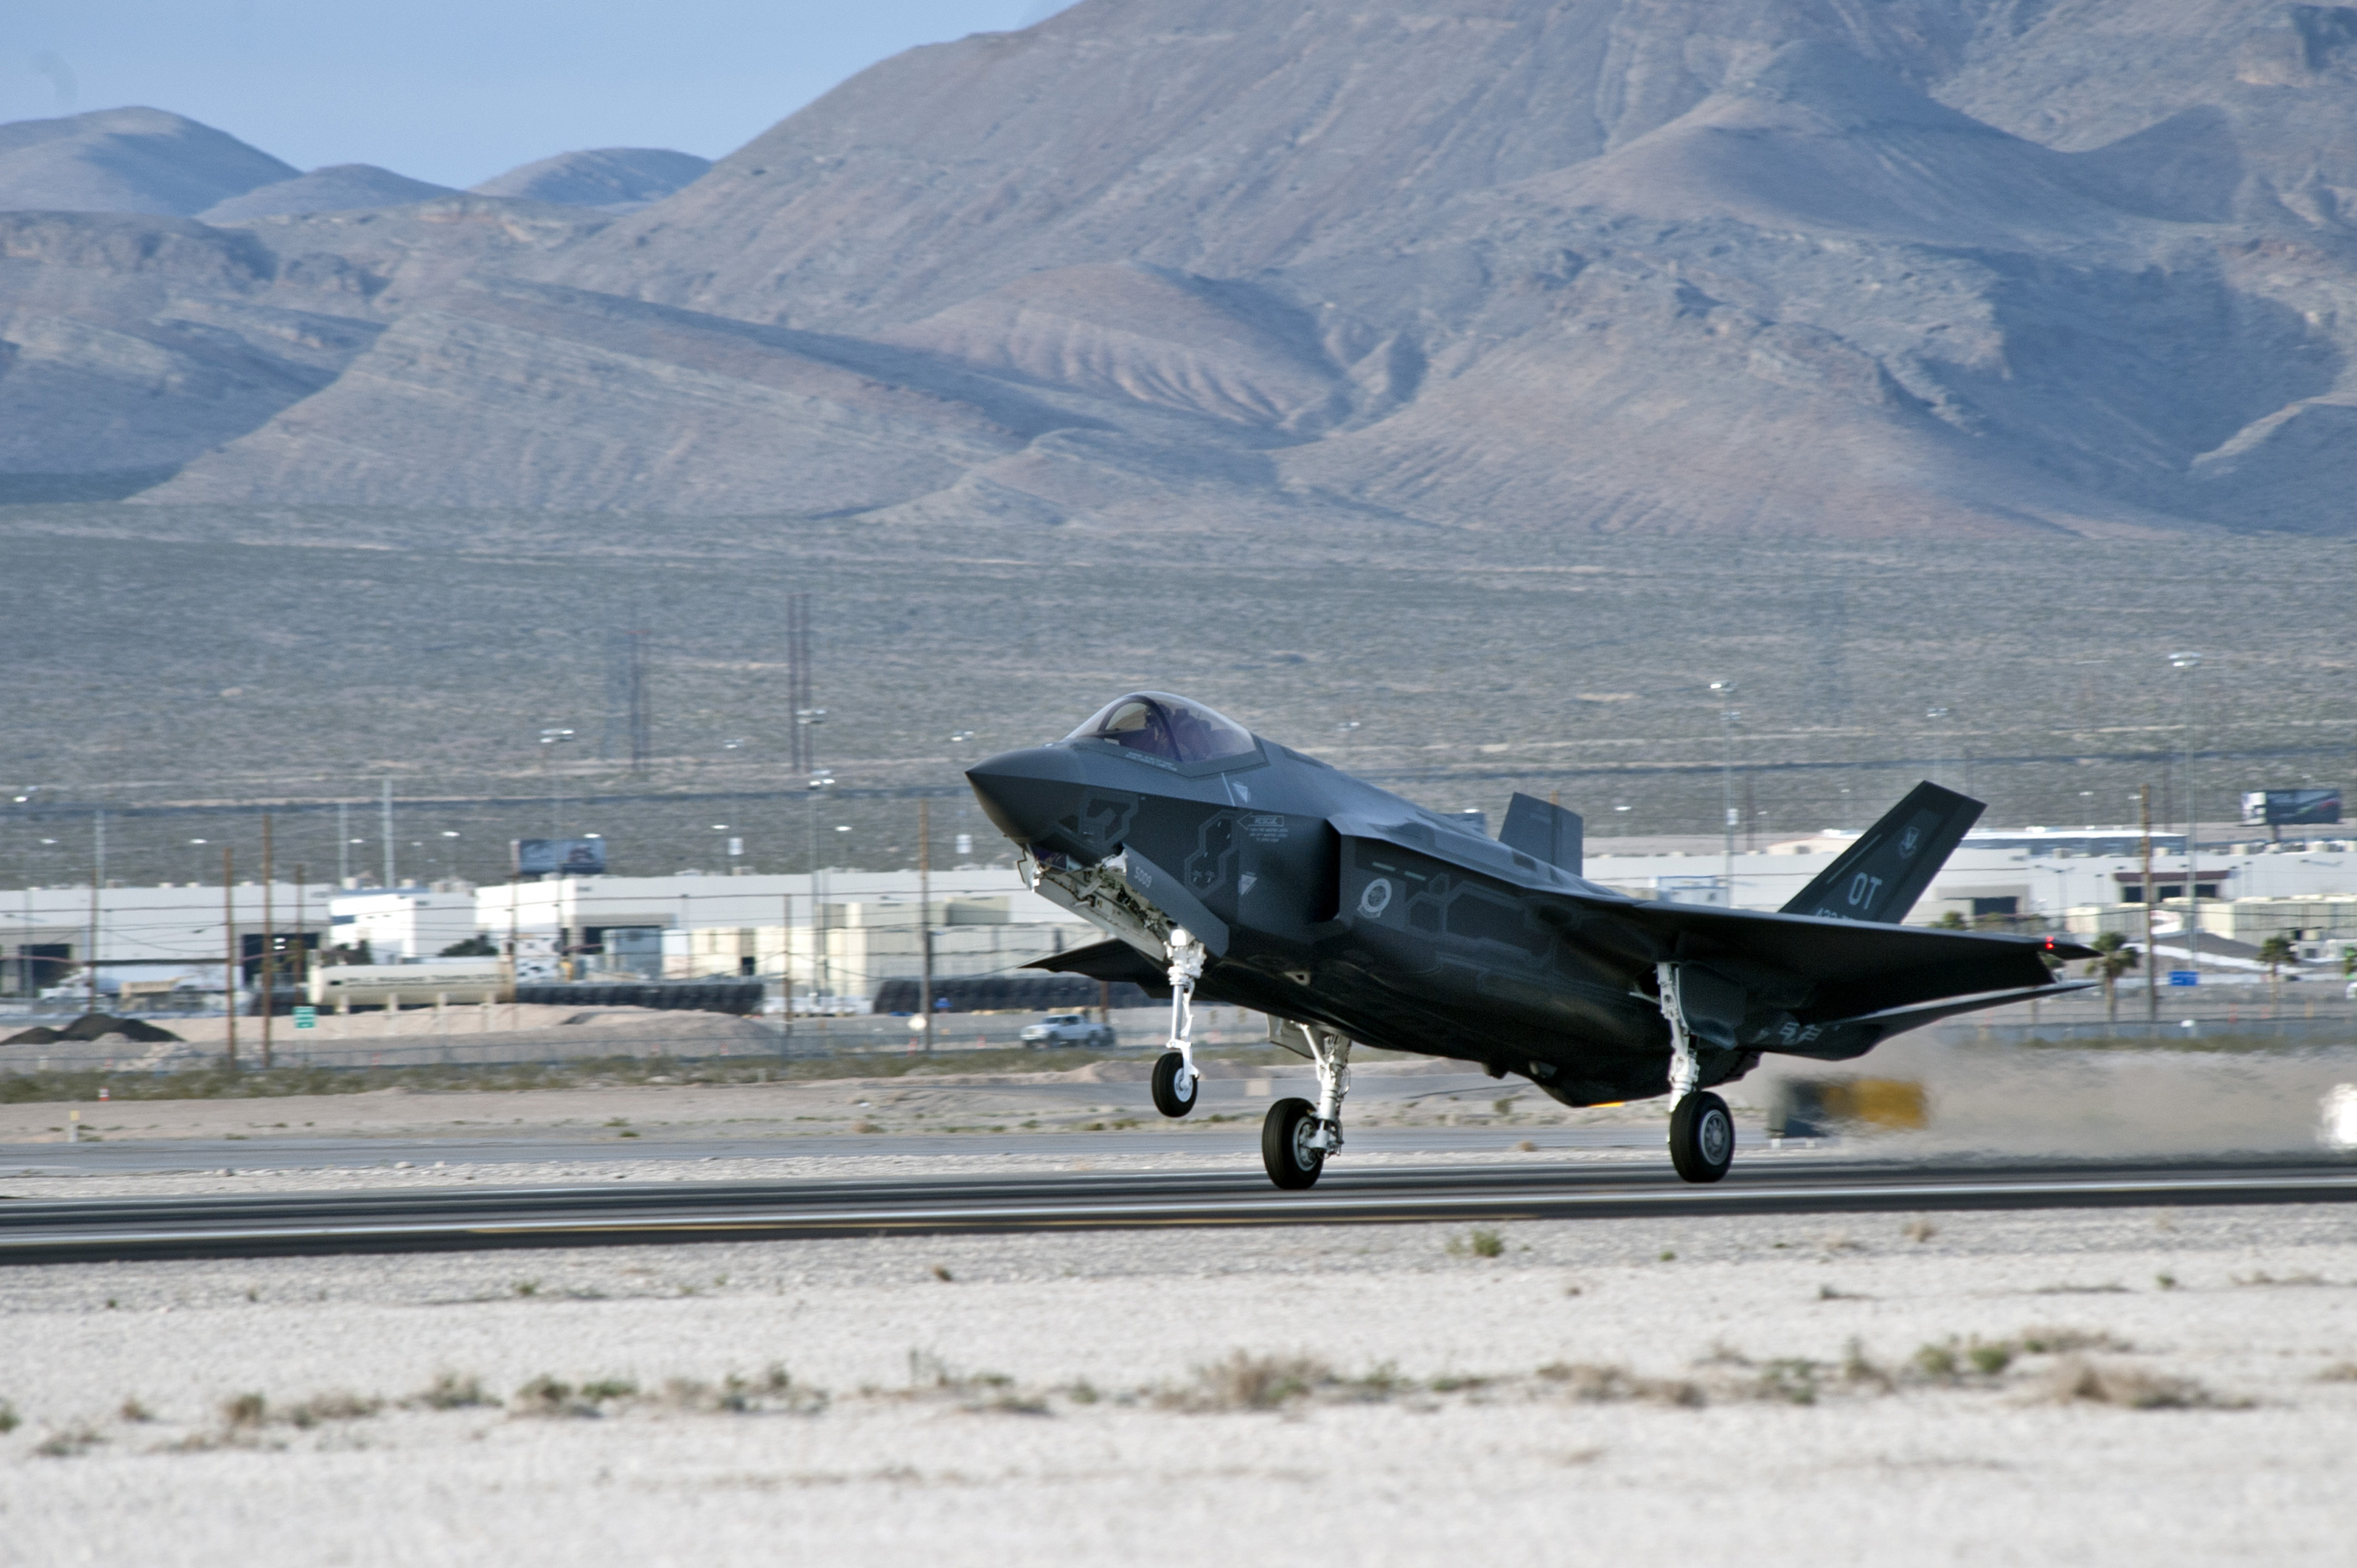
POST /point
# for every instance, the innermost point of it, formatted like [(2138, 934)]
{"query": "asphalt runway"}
[(443, 1218), (1238, 1140)]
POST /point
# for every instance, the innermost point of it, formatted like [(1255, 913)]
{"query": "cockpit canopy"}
[(1155, 724)]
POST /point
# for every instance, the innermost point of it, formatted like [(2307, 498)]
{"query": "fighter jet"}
[(1228, 869)]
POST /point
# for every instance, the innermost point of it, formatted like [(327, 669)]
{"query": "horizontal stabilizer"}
[(1844, 1038), (1881, 875), (1543, 832), (1894, 1019)]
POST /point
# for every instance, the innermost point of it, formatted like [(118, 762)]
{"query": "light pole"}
[(1727, 716), (1939, 747), (549, 740), (820, 781), (2060, 917), (448, 870), (2187, 661)]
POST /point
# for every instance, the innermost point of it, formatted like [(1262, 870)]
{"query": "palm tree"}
[(2275, 952), (2118, 958)]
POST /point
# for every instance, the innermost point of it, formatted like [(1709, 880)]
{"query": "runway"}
[(455, 1220)]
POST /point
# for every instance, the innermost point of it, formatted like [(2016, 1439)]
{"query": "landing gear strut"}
[(1175, 1081), (1702, 1133), (1297, 1136)]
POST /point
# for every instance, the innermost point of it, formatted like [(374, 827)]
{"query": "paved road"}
[(451, 1219)]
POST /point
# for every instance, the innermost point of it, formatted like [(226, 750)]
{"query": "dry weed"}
[(1595, 1384), (339, 1405), (1244, 1381), (1857, 1370), (67, 1443), (774, 1389), (1948, 1361), (2076, 1379), (548, 1396), (2063, 1341), (449, 1390)]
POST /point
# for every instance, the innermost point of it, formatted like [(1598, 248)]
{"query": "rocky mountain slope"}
[(126, 160), (614, 179), (1948, 267), (339, 187)]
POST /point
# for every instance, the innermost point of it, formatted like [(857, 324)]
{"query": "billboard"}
[(2291, 808), (560, 857)]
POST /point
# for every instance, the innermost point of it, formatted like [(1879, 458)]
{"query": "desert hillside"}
[(1775, 267)]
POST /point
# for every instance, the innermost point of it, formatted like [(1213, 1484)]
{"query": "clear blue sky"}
[(455, 90)]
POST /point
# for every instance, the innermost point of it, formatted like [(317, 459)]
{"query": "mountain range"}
[(1955, 268)]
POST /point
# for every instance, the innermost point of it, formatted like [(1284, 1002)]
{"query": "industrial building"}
[(2014, 873), (831, 941)]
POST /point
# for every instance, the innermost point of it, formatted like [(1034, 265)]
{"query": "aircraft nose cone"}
[(1024, 792)]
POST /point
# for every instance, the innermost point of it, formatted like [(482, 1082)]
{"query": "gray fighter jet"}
[(1226, 868)]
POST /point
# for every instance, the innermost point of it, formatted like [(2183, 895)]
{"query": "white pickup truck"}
[(1067, 1029)]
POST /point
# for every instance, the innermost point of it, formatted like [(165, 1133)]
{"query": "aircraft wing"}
[(1835, 968)]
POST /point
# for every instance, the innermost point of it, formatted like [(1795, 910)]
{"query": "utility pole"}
[(925, 918), (229, 944), (508, 970), (97, 880), (269, 945), (642, 743), (1727, 717), (302, 948), (2151, 958), (385, 810), (2189, 661), (786, 966)]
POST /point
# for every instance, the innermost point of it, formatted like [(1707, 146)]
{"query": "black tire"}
[(1166, 1086), (1702, 1137), (1290, 1166)]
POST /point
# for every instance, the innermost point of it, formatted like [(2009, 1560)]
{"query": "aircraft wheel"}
[(1702, 1137), (1285, 1144), (1166, 1086)]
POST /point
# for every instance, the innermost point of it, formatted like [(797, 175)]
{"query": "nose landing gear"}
[(1175, 1081)]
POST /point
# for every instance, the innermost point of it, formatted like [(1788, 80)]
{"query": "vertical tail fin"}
[(1881, 875), (1542, 831)]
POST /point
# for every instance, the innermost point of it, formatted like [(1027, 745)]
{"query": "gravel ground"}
[(1637, 1390)]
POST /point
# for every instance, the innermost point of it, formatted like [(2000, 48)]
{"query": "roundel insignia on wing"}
[(1376, 898)]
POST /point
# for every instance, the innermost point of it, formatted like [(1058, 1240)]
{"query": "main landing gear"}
[(1702, 1133), (1175, 1080), (1297, 1136)]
